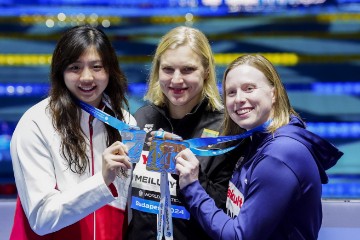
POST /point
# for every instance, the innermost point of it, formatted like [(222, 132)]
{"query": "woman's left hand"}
[(187, 166), (161, 134)]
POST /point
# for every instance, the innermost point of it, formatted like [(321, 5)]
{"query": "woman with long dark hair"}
[(72, 172)]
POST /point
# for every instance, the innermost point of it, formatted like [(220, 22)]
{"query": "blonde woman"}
[(182, 99)]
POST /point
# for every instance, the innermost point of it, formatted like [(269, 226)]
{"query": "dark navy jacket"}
[(275, 191)]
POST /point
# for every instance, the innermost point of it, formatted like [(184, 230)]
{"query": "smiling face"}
[(181, 78), (87, 78), (249, 96)]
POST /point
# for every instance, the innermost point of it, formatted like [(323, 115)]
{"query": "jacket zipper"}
[(91, 130), (91, 119)]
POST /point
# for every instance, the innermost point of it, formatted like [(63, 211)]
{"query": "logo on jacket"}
[(234, 201), (148, 127)]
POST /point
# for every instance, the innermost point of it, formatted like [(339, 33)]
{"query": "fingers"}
[(118, 148), (186, 162), (158, 134), (121, 161), (183, 167), (187, 166), (188, 155), (161, 134), (115, 158)]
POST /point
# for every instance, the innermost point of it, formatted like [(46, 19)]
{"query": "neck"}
[(179, 112)]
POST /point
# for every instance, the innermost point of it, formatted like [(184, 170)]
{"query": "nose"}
[(177, 77), (239, 98), (86, 75)]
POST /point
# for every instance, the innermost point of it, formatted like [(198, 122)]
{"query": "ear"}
[(273, 95), (206, 74)]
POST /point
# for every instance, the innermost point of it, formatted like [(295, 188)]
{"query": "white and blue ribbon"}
[(164, 224), (196, 143), (104, 117), (132, 136)]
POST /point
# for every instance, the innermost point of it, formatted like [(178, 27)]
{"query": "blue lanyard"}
[(195, 143), (131, 136), (164, 220), (104, 117)]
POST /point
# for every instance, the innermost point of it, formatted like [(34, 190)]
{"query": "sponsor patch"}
[(209, 133), (148, 127), (234, 201)]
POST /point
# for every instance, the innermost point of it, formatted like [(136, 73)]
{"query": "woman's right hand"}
[(114, 158), (187, 167)]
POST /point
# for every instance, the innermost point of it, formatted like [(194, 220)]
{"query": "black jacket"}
[(214, 174)]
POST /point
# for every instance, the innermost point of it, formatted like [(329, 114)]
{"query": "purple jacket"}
[(275, 190)]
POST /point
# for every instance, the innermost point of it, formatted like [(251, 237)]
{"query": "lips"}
[(243, 111), (87, 89), (178, 90)]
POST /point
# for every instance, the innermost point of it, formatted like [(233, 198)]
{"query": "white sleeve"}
[(47, 208)]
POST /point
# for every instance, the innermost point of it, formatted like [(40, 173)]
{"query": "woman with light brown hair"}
[(275, 190)]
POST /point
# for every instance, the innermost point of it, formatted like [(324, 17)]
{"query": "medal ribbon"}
[(104, 117), (164, 224), (195, 143), (132, 136)]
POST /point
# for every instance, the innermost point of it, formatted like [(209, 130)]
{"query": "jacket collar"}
[(198, 109)]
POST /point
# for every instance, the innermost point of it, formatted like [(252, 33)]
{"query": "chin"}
[(177, 102), (244, 124)]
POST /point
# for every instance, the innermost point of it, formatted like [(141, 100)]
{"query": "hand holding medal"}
[(115, 159)]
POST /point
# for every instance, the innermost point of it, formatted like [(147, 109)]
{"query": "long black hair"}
[(65, 113)]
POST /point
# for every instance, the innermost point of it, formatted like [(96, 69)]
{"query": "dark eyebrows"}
[(91, 62)]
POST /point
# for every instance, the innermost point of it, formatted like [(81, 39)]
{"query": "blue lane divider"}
[(346, 189), (138, 89)]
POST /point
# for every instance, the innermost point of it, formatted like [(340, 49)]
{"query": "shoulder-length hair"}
[(197, 41), (65, 113), (281, 109)]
